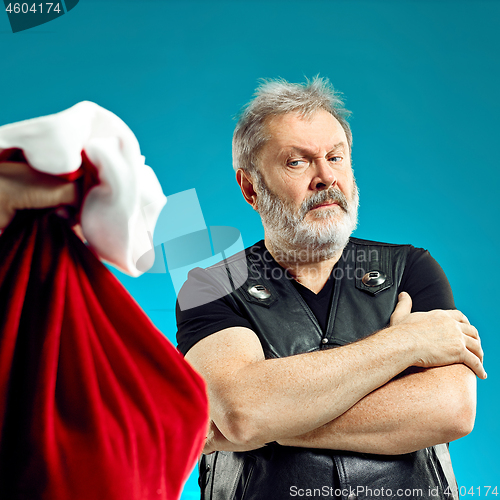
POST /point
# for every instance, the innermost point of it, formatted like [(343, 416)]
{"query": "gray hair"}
[(278, 97)]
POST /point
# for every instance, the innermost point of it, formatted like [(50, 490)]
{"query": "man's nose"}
[(324, 175)]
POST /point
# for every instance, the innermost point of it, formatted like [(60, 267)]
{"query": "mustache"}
[(331, 195)]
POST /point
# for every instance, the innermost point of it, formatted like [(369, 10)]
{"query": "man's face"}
[(306, 192)]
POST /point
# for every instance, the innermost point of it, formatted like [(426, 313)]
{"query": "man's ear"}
[(246, 185)]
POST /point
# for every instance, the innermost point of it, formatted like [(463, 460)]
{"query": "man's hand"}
[(444, 337), (22, 187)]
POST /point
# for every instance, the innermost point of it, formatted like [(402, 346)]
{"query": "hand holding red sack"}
[(94, 401), (23, 187)]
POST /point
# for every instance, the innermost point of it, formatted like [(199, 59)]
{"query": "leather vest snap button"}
[(259, 292), (374, 278), (324, 341)]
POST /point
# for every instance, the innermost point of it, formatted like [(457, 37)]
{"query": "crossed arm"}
[(420, 409), (349, 398)]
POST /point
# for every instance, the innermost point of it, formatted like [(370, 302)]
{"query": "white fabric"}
[(118, 215)]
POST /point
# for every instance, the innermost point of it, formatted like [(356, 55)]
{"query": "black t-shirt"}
[(422, 278)]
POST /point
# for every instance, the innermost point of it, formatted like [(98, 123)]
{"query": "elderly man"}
[(340, 368)]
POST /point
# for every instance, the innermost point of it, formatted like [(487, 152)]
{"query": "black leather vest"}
[(357, 310)]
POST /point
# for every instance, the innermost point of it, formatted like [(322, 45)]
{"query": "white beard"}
[(295, 239)]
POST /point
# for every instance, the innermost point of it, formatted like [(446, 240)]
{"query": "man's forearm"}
[(411, 412), (254, 400), (278, 398)]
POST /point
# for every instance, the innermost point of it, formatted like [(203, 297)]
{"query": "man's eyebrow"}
[(306, 151), (339, 145)]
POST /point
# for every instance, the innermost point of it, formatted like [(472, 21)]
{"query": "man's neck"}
[(309, 269)]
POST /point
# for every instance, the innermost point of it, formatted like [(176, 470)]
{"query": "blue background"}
[(421, 77)]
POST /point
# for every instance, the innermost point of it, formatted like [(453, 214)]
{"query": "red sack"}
[(95, 403)]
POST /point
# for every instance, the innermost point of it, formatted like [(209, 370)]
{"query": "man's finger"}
[(473, 362), (471, 331), (60, 193), (474, 346), (402, 309), (458, 316)]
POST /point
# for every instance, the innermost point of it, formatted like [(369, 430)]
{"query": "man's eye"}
[(296, 163), (335, 159)]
